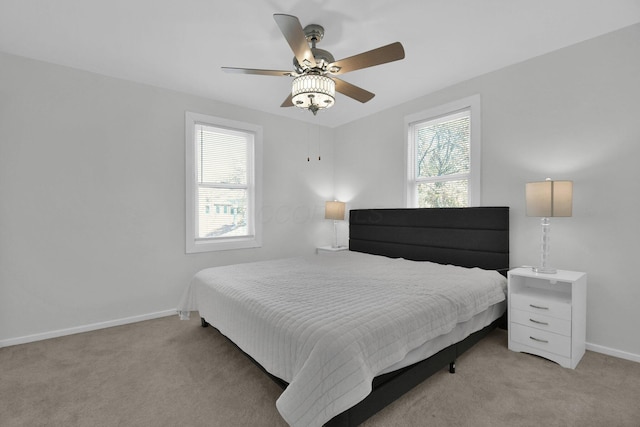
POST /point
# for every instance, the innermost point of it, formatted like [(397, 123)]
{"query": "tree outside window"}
[(443, 157), (443, 162)]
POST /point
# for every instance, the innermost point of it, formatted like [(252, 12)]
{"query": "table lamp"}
[(548, 199), (335, 211)]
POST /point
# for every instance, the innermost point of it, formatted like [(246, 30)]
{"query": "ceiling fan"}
[(315, 70)]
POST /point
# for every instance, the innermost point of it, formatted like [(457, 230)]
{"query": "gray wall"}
[(92, 197), (92, 184), (571, 114)]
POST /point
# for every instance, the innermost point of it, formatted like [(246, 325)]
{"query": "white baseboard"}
[(86, 328), (171, 312), (613, 352)]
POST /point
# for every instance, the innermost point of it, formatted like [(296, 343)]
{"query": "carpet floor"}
[(167, 372)]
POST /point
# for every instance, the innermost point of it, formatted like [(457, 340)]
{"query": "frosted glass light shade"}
[(313, 92), (549, 198)]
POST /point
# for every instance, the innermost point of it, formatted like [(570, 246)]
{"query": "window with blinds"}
[(222, 161), (443, 161)]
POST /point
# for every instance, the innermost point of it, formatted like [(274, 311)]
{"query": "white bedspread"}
[(329, 324)]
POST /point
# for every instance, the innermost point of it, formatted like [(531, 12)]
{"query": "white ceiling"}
[(181, 44)]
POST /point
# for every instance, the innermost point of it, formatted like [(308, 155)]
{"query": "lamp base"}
[(544, 249), (335, 234), (544, 270)]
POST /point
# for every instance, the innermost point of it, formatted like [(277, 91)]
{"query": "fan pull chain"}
[(309, 143), (318, 140)]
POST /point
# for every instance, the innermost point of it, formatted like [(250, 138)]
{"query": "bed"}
[(336, 367)]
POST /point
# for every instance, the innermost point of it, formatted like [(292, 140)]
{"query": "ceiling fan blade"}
[(256, 71), (353, 91), (293, 32), (382, 55), (287, 102)]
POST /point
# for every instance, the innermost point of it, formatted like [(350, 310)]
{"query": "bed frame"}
[(467, 237)]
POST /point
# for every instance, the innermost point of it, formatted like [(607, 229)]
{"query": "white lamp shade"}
[(549, 198), (334, 211)]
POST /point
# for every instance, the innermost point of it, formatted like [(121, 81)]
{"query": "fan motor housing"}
[(322, 57), (314, 33)]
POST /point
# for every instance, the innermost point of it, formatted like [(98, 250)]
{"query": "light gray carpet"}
[(167, 372)]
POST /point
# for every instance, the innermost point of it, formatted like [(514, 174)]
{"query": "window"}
[(223, 163), (443, 156)]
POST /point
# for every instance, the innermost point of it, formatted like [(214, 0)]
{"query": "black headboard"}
[(468, 237)]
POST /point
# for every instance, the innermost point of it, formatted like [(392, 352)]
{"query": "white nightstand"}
[(548, 314), (326, 249)]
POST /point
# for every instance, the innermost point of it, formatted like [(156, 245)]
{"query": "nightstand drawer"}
[(543, 340), (546, 306), (541, 321)]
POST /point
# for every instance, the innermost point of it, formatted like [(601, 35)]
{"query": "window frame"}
[(472, 104), (194, 244)]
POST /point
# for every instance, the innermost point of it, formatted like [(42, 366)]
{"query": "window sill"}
[(197, 246)]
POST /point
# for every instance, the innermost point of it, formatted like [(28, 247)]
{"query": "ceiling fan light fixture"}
[(313, 87), (313, 92)]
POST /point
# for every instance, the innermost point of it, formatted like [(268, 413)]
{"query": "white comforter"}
[(329, 324)]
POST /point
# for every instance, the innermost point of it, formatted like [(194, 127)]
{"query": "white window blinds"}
[(223, 192), (442, 165), (223, 198), (443, 161)]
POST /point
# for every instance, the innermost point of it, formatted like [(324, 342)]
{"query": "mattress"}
[(328, 325)]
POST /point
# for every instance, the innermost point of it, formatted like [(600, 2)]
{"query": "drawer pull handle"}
[(539, 340), (539, 322), (539, 307)]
